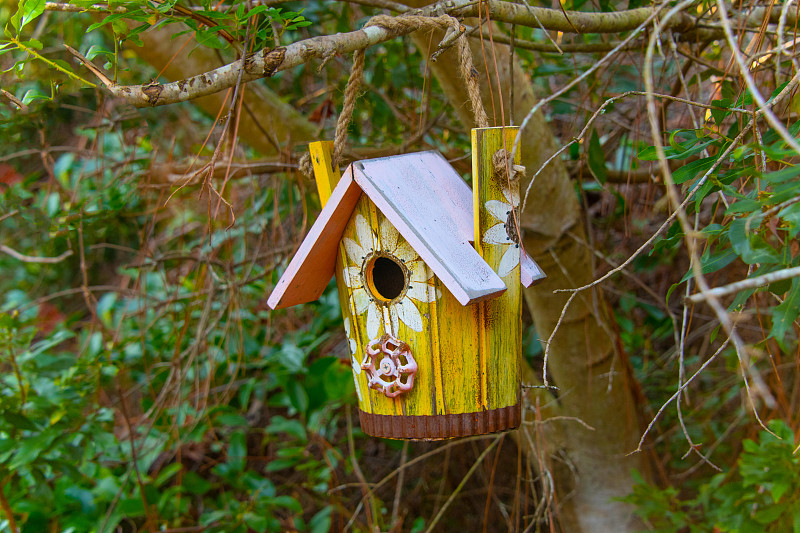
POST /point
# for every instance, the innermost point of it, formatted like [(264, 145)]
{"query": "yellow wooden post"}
[(325, 175), (496, 210)]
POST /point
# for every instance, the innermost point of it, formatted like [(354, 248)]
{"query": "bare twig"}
[(4, 505), (677, 393), (266, 62), (460, 486), (91, 66), (750, 283), (32, 259), (14, 100)]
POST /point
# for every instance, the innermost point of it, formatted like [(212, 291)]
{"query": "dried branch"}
[(91, 66), (14, 100), (750, 283), (31, 259), (265, 63)]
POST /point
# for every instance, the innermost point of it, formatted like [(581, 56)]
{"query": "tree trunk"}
[(593, 379)]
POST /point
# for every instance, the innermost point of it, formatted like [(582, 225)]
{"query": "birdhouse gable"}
[(313, 264), (429, 205)]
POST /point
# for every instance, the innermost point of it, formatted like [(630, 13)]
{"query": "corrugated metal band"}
[(433, 427)]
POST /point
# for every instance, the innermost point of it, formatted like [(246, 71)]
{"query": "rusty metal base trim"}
[(435, 427)]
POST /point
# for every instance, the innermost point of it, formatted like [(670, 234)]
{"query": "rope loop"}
[(403, 25)]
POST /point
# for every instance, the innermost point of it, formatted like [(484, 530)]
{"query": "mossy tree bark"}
[(592, 377)]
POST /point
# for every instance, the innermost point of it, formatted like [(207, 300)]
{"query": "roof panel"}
[(313, 264), (530, 271), (431, 206)]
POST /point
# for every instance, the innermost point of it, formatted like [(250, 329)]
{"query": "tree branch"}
[(750, 283), (265, 63), (31, 259)]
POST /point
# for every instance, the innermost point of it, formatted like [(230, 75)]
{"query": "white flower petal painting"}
[(504, 233), (379, 314)]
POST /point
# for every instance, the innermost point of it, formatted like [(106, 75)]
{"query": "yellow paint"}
[(326, 178), (437, 397), (501, 338), (467, 356), (324, 174)]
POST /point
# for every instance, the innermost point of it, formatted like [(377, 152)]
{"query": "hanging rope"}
[(350, 95), (401, 26)]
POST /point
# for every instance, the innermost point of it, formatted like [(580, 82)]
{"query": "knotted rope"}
[(403, 25), (503, 169)]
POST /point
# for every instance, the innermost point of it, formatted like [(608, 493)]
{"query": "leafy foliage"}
[(761, 494), (145, 385)]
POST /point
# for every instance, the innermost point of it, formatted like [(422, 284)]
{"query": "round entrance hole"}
[(386, 278)]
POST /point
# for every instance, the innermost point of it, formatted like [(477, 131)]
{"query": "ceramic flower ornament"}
[(505, 232), (382, 313)]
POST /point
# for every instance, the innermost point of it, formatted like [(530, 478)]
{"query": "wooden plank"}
[(424, 199), (496, 202), (312, 266), (324, 174)]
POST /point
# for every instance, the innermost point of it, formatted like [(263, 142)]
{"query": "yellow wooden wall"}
[(501, 339), (467, 356)]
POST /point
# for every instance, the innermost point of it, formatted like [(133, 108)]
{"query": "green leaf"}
[(132, 507), (720, 114), (209, 39), (297, 396), (784, 315), (279, 424), (19, 421), (237, 451), (257, 523), (286, 502), (782, 175), (690, 170), (34, 94), (31, 10), (30, 448), (597, 158), (321, 522), (769, 514), (750, 247), (195, 484), (167, 473), (96, 50), (791, 215), (711, 262), (33, 43), (747, 205)]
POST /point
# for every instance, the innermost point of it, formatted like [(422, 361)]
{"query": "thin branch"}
[(677, 393), (382, 4), (751, 84), (31, 259), (266, 62), (14, 100), (460, 486), (750, 283), (91, 66), (73, 8)]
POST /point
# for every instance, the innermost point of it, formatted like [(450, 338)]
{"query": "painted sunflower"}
[(388, 276), (505, 232)]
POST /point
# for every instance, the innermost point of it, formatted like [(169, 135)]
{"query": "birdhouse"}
[(429, 275)]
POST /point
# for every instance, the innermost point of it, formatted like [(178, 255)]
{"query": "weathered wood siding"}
[(496, 200)]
